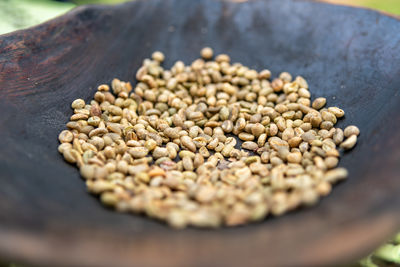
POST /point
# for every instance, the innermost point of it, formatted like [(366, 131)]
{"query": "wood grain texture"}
[(351, 56)]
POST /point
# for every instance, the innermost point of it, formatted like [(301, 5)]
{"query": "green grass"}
[(83, 2), (19, 14), (391, 6)]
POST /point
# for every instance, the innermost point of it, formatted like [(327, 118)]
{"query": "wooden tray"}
[(351, 56)]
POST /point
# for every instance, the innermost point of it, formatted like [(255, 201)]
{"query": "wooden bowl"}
[(351, 56)]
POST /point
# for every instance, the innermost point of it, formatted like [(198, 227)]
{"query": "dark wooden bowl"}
[(351, 56)]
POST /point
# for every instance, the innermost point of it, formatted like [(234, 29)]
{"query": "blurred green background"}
[(19, 14)]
